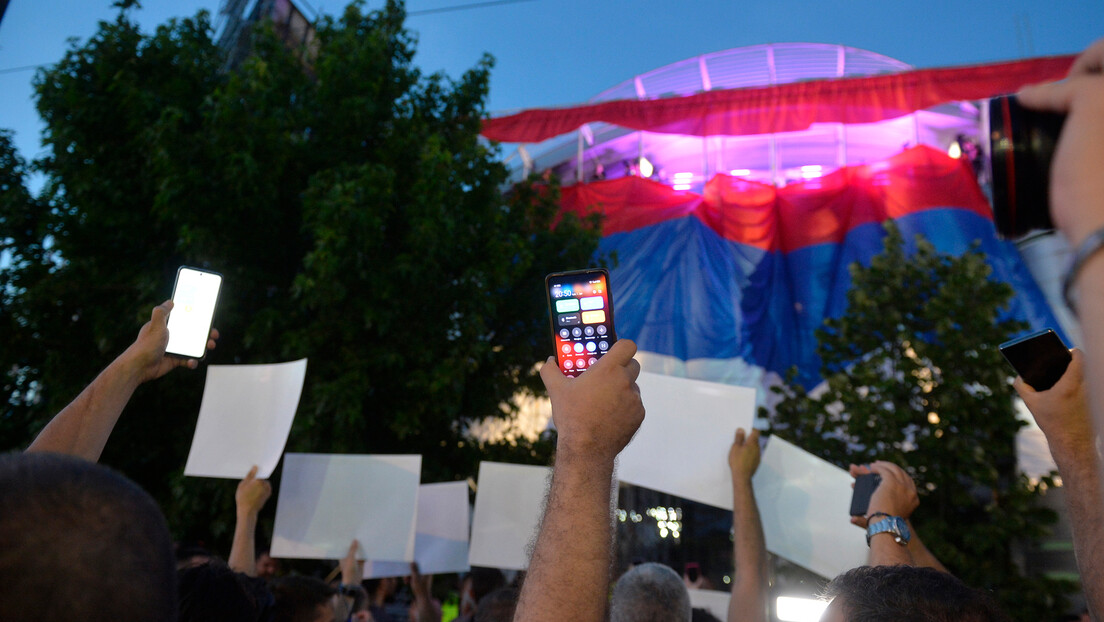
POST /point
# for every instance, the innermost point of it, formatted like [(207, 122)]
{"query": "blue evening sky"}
[(556, 52)]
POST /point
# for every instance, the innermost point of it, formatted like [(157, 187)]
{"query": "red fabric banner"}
[(817, 211), (786, 107)]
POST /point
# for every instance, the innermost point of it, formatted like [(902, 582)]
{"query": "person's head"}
[(191, 555), (303, 599), (484, 581), (212, 592), (905, 594), (80, 542), (267, 566), (650, 593), (498, 606)]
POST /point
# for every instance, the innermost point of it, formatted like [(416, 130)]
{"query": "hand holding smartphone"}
[(580, 309), (1039, 358), (195, 296), (865, 485)]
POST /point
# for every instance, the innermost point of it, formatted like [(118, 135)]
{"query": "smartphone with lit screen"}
[(1039, 358), (195, 296), (580, 309)]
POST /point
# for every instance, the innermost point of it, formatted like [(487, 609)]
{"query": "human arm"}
[(596, 414), (1063, 415), (921, 556), (82, 428), (895, 496), (425, 608), (352, 595), (1077, 195), (749, 551), (250, 497)]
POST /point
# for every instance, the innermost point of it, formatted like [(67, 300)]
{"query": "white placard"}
[(682, 446), (713, 601), (327, 500), (245, 418), (441, 538), (508, 506), (805, 503)]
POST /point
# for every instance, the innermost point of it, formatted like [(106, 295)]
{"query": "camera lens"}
[(1021, 145)]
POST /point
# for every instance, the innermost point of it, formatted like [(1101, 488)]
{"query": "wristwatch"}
[(890, 524)]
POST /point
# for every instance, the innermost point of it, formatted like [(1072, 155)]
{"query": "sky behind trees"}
[(555, 53)]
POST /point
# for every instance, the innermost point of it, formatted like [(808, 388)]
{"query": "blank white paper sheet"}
[(441, 538), (805, 504), (682, 446), (327, 500), (508, 506), (245, 418)]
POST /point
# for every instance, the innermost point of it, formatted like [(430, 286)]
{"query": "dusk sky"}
[(555, 53)]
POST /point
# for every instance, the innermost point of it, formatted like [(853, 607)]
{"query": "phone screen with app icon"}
[(580, 307)]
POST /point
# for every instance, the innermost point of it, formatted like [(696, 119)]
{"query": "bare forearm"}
[(1084, 500), (921, 555), (750, 584), (569, 572), (243, 556), (884, 551), (82, 428)]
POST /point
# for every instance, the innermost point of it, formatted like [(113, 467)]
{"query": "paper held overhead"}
[(682, 446), (327, 500), (441, 538), (508, 508), (245, 418)]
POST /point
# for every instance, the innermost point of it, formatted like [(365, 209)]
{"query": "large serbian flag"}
[(731, 285)]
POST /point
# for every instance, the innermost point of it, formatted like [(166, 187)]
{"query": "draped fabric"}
[(786, 107), (744, 273)]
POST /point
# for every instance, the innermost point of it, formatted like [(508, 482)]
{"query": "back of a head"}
[(301, 599), (484, 581), (80, 542), (907, 593), (650, 593), (498, 606), (212, 592)]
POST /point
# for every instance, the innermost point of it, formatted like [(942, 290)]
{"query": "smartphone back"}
[(1039, 358)]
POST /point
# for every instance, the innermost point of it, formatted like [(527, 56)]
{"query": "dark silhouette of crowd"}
[(79, 541)]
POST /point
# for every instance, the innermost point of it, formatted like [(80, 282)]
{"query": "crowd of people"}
[(79, 541)]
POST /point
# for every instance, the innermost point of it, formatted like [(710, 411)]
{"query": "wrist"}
[(248, 516), (128, 366)]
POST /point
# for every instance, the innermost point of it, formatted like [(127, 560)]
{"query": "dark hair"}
[(298, 598), (484, 581), (650, 593), (498, 606), (910, 594), (697, 614), (80, 542), (212, 592)]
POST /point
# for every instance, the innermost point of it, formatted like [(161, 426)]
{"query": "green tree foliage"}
[(914, 376), (356, 216)]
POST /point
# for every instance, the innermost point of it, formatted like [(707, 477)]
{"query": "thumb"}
[(551, 375), (161, 312)]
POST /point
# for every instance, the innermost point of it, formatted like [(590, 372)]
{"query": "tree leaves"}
[(348, 200), (914, 376)]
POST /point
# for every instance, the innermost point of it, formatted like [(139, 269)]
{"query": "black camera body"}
[(1021, 147)]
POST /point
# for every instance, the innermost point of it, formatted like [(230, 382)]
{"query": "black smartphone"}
[(1039, 358), (580, 309), (693, 571), (195, 296), (864, 489)]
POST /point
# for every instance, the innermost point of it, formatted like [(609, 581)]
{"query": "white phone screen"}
[(194, 299)]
